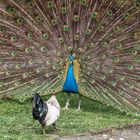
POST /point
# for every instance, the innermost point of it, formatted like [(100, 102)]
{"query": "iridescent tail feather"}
[(36, 37)]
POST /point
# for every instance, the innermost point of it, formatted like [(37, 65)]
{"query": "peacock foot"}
[(66, 108), (78, 109)]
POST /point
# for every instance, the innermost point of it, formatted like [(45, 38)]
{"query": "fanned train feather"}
[(36, 37)]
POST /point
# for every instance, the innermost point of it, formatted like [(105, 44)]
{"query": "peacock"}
[(87, 47)]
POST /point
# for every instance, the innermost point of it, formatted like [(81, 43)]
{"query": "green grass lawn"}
[(16, 119)]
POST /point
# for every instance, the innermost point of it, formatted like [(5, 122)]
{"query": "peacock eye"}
[(30, 4), (88, 32), (91, 45), (137, 3), (119, 46), (45, 36), (33, 81), (50, 4), (66, 28), (13, 53), (104, 44), (19, 21), (43, 49), (131, 86), (28, 50), (38, 70), (97, 66), (59, 53), (1, 60), (126, 16), (103, 77), (61, 40), (11, 10), (31, 62), (77, 37), (110, 70), (13, 39), (76, 18), (122, 78), (18, 66), (25, 75), (69, 48), (54, 22), (2, 29), (50, 91), (17, 83), (79, 50), (64, 10), (130, 67), (83, 88), (94, 14), (30, 35), (38, 18), (8, 73), (113, 83), (83, 2), (103, 56), (48, 62), (101, 28), (117, 29), (92, 81), (82, 80), (110, 13), (121, 92), (134, 52)]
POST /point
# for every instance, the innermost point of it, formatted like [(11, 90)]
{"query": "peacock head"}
[(72, 56)]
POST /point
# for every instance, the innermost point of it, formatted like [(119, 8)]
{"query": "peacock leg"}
[(44, 130), (67, 103), (79, 105)]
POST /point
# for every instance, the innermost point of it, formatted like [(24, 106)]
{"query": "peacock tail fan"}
[(37, 36)]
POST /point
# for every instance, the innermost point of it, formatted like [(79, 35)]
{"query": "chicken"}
[(45, 112)]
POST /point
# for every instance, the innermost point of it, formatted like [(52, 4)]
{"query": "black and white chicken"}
[(45, 112)]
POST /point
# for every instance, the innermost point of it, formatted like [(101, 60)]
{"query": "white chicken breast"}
[(53, 111)]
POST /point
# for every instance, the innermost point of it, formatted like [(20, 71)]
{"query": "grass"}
[(16, 119)]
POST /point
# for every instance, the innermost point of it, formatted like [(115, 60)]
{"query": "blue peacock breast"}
[(70, 84)]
